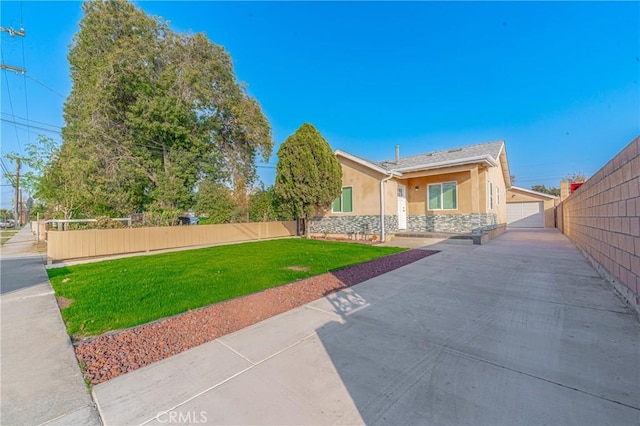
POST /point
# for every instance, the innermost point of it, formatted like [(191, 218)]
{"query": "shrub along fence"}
[(65, 245)]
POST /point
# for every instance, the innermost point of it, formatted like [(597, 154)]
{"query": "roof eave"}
[(485, 159), (531, 191), (367, 163)]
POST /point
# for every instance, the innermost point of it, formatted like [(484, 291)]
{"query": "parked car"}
[(188, 220)]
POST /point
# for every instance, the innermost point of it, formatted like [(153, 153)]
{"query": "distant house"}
[(454, 191), (530, 209)]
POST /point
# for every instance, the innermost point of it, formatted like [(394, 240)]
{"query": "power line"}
[(6, 173), (16, 124), (24, 80), (46, 87), (35, 121), (14, 33)]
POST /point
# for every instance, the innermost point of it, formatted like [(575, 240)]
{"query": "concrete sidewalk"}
[(41, 380), (519, 331)]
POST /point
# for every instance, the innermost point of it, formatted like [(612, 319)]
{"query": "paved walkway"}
[(518, 331), (41, 380)]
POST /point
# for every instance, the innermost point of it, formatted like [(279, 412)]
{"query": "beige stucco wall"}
[(366, 190), (549, 204), (417, 199), (496, 177), (471, 190)]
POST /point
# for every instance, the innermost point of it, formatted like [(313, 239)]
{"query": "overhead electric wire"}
[(45, 86), (10, 102), (6, 173), (16, 124), (24, 80), (35, 121)]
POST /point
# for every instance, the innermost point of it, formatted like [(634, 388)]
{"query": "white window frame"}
[(490, 195), (441, 194), (342, 200)]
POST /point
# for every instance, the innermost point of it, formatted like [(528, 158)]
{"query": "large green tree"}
[(266, 206), (215, 202), (545, 190), (308, 175), (152, 113)]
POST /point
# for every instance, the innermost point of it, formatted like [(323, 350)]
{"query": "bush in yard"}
[(308, 175)]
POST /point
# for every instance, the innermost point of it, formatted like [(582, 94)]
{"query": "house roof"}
[(366, 163), (485, 152), (532, 192), (488, 153)]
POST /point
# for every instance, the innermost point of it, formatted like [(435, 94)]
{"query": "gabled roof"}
[(532, 192), (488, 153), (485, 152), (366, 163)]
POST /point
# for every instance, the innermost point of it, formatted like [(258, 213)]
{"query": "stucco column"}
[(564, 189), (475, 190)]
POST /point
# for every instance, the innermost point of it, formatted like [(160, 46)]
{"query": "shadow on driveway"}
[(521, 331)]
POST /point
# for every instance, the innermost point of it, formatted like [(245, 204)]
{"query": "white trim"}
[(441, 193), (366, 163), (532, 192), (489, 195), (486, 158), (404, 191), (382, 182)]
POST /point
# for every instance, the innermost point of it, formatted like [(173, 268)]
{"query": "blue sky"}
[(559, 82)]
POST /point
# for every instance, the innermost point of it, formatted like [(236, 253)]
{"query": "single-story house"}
[(530, 209), (454, 191)]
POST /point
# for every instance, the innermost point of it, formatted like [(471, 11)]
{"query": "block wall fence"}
[(602, 218)]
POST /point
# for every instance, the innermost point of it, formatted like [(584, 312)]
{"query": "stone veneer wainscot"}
[(454, 223)]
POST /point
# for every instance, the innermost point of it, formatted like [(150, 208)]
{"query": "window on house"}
[(489, 195), (443, 196), (497, 195), (344, 203)]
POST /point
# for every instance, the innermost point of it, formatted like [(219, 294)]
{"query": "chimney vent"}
[(397, 154)]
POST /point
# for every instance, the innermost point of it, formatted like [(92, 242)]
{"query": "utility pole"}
[(13, 33), (23, 215), (16, 213)]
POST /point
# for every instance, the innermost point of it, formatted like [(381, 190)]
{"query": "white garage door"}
[(525, 215)]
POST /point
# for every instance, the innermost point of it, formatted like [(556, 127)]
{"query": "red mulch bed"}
[(112, 355)]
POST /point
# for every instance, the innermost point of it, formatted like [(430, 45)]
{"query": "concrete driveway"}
[(519, 331)]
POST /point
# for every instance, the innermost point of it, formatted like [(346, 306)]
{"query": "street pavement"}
[(519, 331), (39, 375)]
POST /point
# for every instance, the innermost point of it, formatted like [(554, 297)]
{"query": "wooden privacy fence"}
[(64, 245)]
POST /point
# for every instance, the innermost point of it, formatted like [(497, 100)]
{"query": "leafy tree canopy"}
[(308, 175), (576, 177), (545, 190), (151, 114), (265, 206)]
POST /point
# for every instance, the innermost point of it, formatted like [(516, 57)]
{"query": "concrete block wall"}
[(602, 218)]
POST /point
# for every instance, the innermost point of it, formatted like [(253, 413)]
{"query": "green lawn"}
[(6, 234), (122, 293)]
